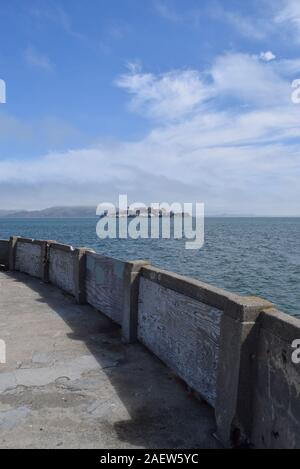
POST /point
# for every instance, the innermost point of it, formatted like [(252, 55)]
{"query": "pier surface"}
[(70, 382)]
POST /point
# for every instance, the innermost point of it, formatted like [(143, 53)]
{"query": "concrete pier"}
[(73, 316), (71, 382)]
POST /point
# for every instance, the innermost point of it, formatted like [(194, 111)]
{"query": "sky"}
[(163, 100)]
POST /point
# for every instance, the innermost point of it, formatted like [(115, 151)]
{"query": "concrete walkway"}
[(69, 382)]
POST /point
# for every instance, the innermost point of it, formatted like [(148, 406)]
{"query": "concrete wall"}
[(276, 403), (111, 286), (182, 331), (4, 252), (234, 351), (28, 257), (62, 267), (105, 277)]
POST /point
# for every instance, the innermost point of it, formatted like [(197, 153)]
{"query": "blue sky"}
[(163, 100)]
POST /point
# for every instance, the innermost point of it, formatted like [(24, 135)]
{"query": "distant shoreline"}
[(90, 212)]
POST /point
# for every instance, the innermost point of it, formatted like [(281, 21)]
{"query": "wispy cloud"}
[(270, 17), (281, 17), (166, 96), (245, 78), (58, 16), (117, 29), (179, 93), (248, 27), (167, 12), (37, 59), (255, 27), (288, 15)]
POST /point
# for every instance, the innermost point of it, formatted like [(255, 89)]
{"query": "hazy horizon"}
[(91, 207)]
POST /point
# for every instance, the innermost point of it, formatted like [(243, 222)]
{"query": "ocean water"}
[(251, 256)]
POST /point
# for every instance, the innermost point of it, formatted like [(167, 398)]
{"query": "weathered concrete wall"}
[(62, 267), (276, 403), (29, 257), (4, 252), (182, 331), (236, 366), (208, 337), (105, 285)]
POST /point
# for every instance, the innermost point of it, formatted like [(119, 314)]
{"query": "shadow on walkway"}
[(162, 414)]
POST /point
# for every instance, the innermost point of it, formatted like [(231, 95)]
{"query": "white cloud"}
[(37, 59), (267, 56), (177, 94), (234, 163), (165, 96), (246, 78)]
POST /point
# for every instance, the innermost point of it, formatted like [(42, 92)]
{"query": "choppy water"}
[(253, 256)]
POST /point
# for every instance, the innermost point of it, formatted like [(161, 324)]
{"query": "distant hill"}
[(53, 212), (86, 212), (4, 213)]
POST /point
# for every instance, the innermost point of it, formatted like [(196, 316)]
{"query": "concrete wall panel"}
[(29, 258), (276, 406), (61, 267), (105, 285), (182, 332)]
